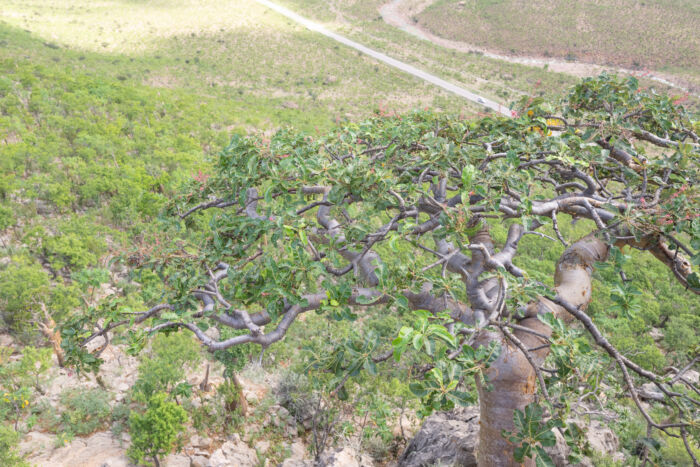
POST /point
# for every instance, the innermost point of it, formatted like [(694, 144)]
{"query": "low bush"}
[(84, 412), (9, 457), (157, 431), (163, 369)]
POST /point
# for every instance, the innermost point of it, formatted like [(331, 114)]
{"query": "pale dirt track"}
[(398, 13), (403, 66)]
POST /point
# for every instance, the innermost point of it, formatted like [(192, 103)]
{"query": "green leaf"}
[(543, 459), (418, 389)]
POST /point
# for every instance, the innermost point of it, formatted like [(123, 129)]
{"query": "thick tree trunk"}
[(512, 379), (513, 387)]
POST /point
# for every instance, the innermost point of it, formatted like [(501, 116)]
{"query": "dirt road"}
[(403, 66), (398, 13)]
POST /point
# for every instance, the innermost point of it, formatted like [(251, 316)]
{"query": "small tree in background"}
[(157, 431), (401, 214)]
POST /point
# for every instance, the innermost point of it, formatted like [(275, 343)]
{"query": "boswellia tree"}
[(397, 214)]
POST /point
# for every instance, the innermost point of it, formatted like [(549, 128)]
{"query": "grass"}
[(655, 34), (106, 108), (499, 80), (223, 50)]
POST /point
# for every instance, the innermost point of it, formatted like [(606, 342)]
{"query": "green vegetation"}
[(657, 34), (162, 370), (114, 113), (270, 261), (84, 412), (21, 382), (157, 431), (8, 453)]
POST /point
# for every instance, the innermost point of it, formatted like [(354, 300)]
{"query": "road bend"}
[(398, 64)]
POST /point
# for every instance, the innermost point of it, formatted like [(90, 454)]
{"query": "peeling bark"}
[(512, 377)]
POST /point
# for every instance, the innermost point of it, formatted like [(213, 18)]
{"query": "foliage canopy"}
[(397, 213)]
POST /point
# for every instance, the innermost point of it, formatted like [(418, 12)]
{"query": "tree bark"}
[(511, 376)]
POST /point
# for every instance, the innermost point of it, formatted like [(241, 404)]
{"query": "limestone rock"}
[(656, 334), (234, 452), (177, 460), (446, 438), (199, 461), (451, 439), (692, 376), (297, 458), (98, 450), (602, 439), (344, 457)]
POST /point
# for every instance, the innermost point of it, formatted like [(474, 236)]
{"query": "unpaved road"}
[(398, 13), (405, 67)]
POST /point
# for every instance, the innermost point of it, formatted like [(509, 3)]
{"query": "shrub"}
[(7, 218), (8, 454), (682, 333), (233, 358), (84, 411), (23, 284), (164, 369), (157, 431), (673, 452), (221, 413), (79, 244)]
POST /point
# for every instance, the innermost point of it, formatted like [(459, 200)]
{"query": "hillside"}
[(115, 114), (658, 35)]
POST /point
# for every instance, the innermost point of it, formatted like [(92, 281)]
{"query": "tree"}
[(399, 214), (157, 431)]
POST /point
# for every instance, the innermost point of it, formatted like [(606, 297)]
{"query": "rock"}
[(177, 460), (262, 446), (213, 333), (656, 334), (43, 208), (98, 450), (290, 105), (198, 442), (6, 340), (452, 438), (296, 463), (234, 452), (446, 438), (602, 439), (199, 461), (297, 457), (692, 376), (560, 451), (344, 457), (291, 431), (651, 391), (123, 387), (298, 450)]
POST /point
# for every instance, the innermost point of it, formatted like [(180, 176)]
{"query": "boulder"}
[(651, 391), (297, 457), (451, 439), (446, 438), (692, 376), (344, 457), (97, 450), (234, 452), (199, 461), (602, 439), (177, 460)]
